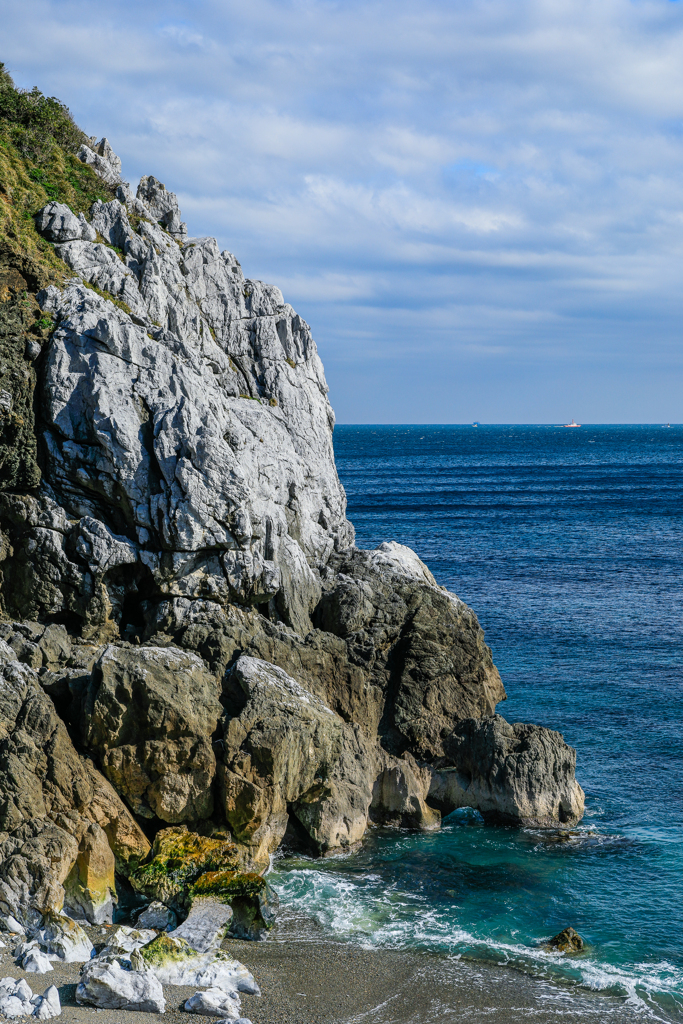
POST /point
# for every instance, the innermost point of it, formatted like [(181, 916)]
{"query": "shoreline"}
[(308, 977)]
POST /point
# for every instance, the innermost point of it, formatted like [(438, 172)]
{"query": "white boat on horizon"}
[(572, 424)]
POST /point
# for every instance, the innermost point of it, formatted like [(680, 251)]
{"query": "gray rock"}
[(33, 349), (48, 1005), (109, 987), (214, 1002), (162, 205), (522, 774), (157, 916), (205, 926), (59, 224), (35, 962), (103, 161)]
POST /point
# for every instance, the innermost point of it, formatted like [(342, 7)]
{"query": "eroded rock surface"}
[(189, 636), (519, 774)]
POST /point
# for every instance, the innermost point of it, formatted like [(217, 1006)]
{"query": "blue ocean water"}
[(569, 546)]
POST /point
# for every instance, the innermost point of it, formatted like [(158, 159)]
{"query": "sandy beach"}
[(306, 978)]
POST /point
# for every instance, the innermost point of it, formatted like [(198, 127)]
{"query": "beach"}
[(306, 978)]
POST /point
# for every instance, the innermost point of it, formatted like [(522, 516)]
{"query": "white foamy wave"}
[(357, 910)]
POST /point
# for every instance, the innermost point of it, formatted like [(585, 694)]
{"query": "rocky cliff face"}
[(191, 638)]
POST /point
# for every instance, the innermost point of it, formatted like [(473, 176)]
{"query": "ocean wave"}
[(359, 910)]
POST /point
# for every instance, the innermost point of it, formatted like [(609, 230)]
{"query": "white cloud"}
[(453, 179)]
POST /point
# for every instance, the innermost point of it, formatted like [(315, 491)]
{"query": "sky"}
[(477, 205)]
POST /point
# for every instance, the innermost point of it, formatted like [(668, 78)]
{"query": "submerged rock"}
[(567, 941)]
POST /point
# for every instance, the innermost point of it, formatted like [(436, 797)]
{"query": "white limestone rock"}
[(59, 934), (199, 426), (157, 916), (126, 939), (174, 962), (205, 926), (100, 266), (48, 1005), (15, 998), (215, 1002), (103, 160), (108, 986), (7, 921), (163, 205), (59, 224), (35, 962)]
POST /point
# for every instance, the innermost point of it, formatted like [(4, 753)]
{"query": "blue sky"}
[(476, 204)]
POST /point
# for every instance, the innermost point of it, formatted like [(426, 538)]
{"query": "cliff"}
[(190, 638)]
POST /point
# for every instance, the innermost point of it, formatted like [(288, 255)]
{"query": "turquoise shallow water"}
[(569, 546)]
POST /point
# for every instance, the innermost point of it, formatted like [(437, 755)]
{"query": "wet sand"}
[(310, 979)]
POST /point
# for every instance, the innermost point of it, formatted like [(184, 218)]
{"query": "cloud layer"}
[(477, 204)]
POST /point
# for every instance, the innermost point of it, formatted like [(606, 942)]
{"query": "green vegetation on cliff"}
[(38, 163)]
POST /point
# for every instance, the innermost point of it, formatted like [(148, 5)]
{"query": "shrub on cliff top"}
[(37, 122)]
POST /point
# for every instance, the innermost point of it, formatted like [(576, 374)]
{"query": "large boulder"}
[(517, 774), (61, 823), (287, 753), (148, 715)]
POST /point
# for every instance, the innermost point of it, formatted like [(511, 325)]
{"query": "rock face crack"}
[(232, 661)]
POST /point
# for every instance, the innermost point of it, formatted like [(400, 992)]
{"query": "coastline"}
[(309, 978)]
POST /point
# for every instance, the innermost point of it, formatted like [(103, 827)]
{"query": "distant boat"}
[(572, 424), (475, 424)]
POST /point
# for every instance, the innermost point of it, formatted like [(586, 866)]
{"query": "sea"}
[(568, 544)]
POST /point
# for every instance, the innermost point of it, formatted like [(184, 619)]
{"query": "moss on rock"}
[(178, 858)]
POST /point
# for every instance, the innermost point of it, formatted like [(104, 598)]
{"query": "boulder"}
[(126, 939), (518, 774), (174, 962), (108, 986), (48, 1005), (15, 998), (178, 858), (251, 900), (59, 934), (58, 224), (207, 923), (35, 962), (148, 715), (158, 916), (567, 941), (214, 1002)]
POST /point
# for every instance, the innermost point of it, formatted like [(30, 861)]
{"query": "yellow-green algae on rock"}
[(178, 858)]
